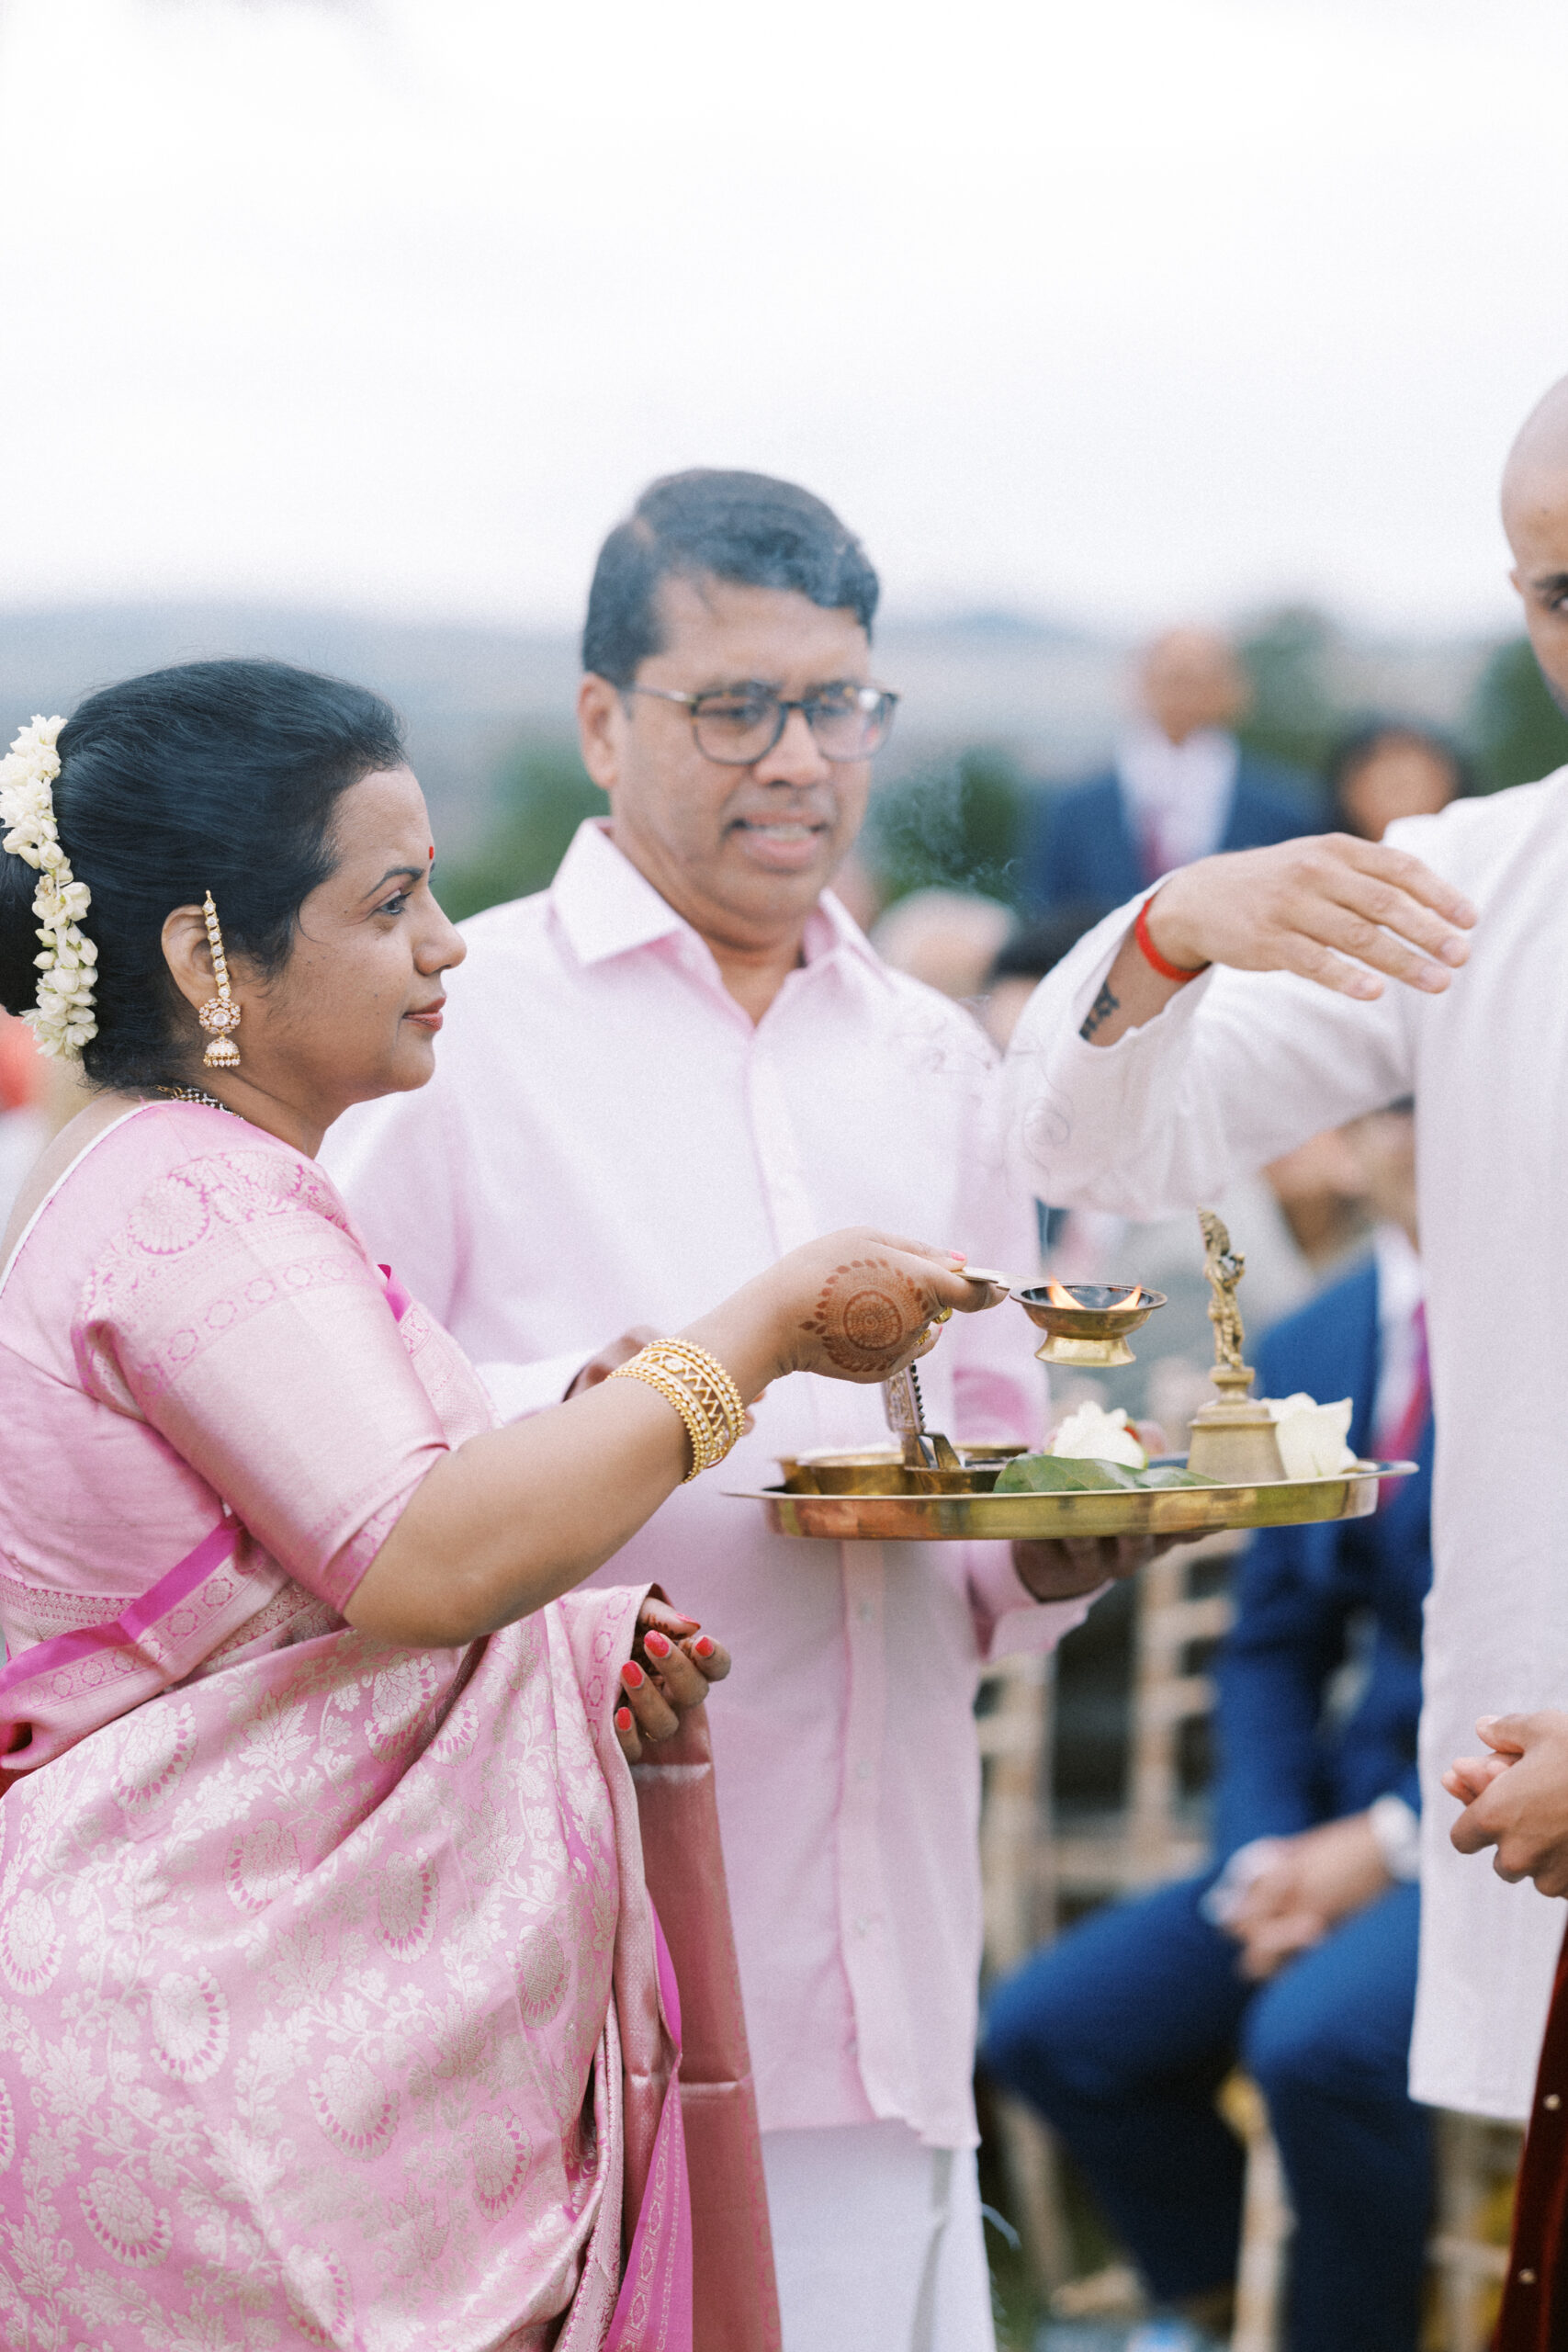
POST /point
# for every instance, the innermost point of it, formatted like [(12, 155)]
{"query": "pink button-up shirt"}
[(609, 1140)]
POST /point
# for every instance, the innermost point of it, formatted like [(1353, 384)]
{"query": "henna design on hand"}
[(870, 1317)]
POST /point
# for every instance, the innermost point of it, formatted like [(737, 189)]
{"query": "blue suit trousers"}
[(1122, 2032)]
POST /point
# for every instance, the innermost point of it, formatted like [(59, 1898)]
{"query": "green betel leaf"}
[(1056, 1473)]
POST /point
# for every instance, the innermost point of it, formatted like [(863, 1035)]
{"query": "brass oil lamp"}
[(1088, 1324)]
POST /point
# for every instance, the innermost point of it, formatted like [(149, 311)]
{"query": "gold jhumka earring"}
[(219, 1014)]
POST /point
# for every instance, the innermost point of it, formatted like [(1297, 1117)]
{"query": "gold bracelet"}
[(705, 1380), (672, 1394), (701, 1391)]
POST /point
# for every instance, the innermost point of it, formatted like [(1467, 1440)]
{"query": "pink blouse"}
[(164, 1347)]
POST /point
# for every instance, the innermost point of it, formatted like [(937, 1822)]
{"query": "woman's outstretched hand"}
[(671, 1665), (857, 1306), (1340, 912), (519, 1514)]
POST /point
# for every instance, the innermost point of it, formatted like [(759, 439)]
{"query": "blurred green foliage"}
[(956, 826), (543, 794), (1515, 731), (1297, 714), (1511, 728)]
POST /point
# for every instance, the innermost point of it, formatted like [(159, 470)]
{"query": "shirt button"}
[(1553, 2102), (1525, 2278), (865, 1612), (862, 1773), (861, 1924)]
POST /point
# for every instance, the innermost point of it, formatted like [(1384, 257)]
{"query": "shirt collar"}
[(606, 907), (1155, 771)]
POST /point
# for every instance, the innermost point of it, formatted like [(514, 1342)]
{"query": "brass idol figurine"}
[(1233, 1438)]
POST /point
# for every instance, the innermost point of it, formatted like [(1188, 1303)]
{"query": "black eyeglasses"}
[(740, 725)]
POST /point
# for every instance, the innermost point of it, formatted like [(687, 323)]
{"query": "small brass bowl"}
[(1094, 1330), (881, 1470)]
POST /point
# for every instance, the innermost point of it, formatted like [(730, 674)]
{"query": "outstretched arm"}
[(1141, 1094), (1337, 910), (521, 1514)]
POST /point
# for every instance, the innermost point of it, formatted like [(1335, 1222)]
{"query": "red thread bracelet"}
[(1179, 973)]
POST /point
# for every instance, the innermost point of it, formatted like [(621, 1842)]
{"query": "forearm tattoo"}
[(870, 1316), (1101, 1010)]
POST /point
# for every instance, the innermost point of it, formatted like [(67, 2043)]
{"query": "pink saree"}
[(334, 2007)]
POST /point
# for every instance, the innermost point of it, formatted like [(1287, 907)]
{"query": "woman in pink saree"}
[(336, 2010)]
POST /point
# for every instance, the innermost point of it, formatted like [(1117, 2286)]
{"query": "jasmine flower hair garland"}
[(62, 1019)]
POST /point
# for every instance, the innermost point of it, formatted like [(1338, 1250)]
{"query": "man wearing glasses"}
[(679, 1060)]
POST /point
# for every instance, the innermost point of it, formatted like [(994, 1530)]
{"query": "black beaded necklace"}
[(194, 1094)]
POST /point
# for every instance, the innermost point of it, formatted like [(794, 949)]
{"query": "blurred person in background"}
[(1294, 1953), (1386, 770), (691, 1055), (1180, 787), (949, 939), (24, 1123), (1321, 1198)]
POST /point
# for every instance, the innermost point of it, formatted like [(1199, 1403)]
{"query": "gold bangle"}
[(672, 1394), (701, 1391), (705, 1380)]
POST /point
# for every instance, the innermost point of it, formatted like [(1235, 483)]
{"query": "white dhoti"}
[(878, 2242)]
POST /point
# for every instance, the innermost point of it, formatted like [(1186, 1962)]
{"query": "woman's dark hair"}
[(1364, 742), (218, 775), (747, 527)]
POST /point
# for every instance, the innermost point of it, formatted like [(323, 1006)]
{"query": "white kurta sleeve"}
[(1239, 1068)]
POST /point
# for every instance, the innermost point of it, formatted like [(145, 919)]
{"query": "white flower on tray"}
[(1311, 1436), (1091, 1434)]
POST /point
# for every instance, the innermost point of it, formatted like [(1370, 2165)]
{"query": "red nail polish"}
[(657, 1644), (623, 1719), (632, 1675), (705, 1648)]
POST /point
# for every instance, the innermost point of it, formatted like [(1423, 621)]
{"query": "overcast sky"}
[(1100, 312)]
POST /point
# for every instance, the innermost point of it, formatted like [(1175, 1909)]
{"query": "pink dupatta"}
[(697, 2273)]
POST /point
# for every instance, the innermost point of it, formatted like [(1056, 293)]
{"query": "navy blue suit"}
[(1122, 2030), (1081, 849)]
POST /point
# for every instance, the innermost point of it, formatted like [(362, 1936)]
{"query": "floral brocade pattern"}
[(185, 1215), (304, 1967)]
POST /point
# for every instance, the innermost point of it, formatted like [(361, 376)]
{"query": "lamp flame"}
[(1058, 1295)]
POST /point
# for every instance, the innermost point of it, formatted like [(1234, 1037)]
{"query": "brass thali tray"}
[(1163, 1511)]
